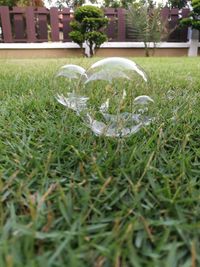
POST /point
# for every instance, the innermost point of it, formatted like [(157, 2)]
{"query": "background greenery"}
[(87, 26), (77, 3), (69, 198), (194, 18)]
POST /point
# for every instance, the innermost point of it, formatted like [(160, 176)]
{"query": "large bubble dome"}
[(111, 96)]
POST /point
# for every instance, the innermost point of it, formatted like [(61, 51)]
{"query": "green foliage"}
[(118, 3), (9, 3), (196, 7), (89, 21), (145, 24), (194, 19), (112, 3), (97, 36), (177, 3), (77, 37), (75, 25), (186, 22), (73, 4), (196, 24), (94, 24), (123, 3), (69, 3), (21, 3), (87, 12)]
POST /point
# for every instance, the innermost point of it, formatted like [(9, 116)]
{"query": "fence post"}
[(18, 24), (42, 27), (174, 18), (121, 15), (66, 23), (30, 25), (110, 30), (164, 14), (54, 21), (6, 25)]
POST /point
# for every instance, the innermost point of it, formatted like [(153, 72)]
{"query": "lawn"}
[(70, 198)]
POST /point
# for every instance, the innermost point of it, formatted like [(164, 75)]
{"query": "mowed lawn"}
[(70, 198)]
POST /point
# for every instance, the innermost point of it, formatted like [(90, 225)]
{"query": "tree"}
[(122, 3), (194, 19), (68, 3), (177, 3), (11, 3), (112, 3), (117, 3), (73, 4), (145, 24), (87, 26)]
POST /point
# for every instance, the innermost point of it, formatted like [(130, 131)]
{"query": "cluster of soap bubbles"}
[(107, 96)]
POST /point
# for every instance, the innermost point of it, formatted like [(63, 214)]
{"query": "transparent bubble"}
[(143, 100), (170, 94), (143, 104), (110, 96), (68, 83)]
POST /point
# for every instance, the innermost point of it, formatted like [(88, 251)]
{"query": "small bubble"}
[(143, 100), (170, 95)]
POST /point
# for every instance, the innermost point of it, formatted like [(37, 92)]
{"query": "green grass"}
[(69, 198)]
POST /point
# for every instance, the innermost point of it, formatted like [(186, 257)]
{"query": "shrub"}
[(88, 24), (194, 19), (177, 3), (21, 3), (8, 3)]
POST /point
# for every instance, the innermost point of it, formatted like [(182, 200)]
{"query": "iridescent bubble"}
[(109, 96)]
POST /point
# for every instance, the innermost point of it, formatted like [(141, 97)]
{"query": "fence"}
[(34, 25)]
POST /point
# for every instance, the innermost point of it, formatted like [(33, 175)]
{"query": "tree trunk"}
[(146, 49), (91, 50)]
